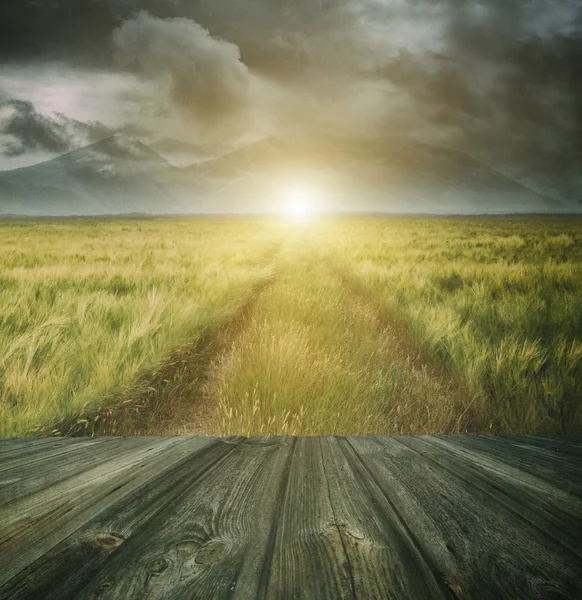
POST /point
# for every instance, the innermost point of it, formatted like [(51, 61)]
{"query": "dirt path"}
[(307, 354), (410, 356), (176, 402), (313, 357)]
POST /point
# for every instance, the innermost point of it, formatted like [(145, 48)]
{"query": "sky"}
[(468, 74)]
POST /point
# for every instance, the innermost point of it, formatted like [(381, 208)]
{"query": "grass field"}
[(87, 307), (499, 301), (340, 326)]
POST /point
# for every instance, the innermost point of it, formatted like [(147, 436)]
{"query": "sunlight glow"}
[(299, 201)]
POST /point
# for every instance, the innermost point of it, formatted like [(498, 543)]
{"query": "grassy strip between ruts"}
[(314, 359)]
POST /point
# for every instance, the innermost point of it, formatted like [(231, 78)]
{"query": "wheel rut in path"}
[(171, 400), (412, 357)]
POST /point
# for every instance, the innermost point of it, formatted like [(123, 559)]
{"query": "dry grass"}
[(370, 326), (88, 307), (173, 398), (316, 360)]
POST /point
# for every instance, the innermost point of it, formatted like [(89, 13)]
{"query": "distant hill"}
[(394, 174), (554, 171), (114, 175), (182, 154), (121, 175)]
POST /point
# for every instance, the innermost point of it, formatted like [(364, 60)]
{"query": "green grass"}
[(314, 360), (87, 307), (499, 301), (366, 326)]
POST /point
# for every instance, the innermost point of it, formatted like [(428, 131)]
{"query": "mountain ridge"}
[(399, 166), (120, 175)]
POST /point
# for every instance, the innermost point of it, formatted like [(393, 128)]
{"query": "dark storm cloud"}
[(79, 31), (205, 75), (537, 47), (435, 80), (29, 131), (500, 67)]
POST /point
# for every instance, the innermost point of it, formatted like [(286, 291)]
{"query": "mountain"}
[(182, 154), (114, 175), (121, 175), (387, 175), (554, 170)]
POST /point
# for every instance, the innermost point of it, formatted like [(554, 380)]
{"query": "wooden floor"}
[(286, 518)]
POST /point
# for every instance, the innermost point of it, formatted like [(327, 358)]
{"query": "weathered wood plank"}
[(19, 448), (482, 549), (42, 473), (51, 493), (29, 456), (574, 441), (212, 541), (7, 443), (308, 560), (386, 560), (68, 566), (540, 467), (557, 444), (549, 507), (408, 517), (34, 525), (12, 443)]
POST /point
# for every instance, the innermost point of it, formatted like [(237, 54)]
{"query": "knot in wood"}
[(108, 541), (158, 565)]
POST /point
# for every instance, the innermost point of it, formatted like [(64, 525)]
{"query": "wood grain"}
[(308, 556), (482, 548), (33, 525), (212, 541), (287, 518)]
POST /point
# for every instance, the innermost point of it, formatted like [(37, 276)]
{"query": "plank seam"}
[(438, 577), (282, 493), (497, 498), (349, 566), (133, 449), (38, 457), (175, 466), (530, 479), (163, 506)]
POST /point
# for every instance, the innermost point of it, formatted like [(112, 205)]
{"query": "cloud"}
[(204, 75), (533, 48), (224, 68), (26, 130)]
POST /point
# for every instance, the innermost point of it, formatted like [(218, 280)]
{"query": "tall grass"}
[(86, 307), (315, 360), (501, 301), (368, 326)]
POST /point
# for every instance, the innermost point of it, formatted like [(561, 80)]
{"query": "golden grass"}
[(315, 360), (87, 307), (367, 326)]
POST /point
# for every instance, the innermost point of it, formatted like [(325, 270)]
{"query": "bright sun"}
[(299, 201)]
